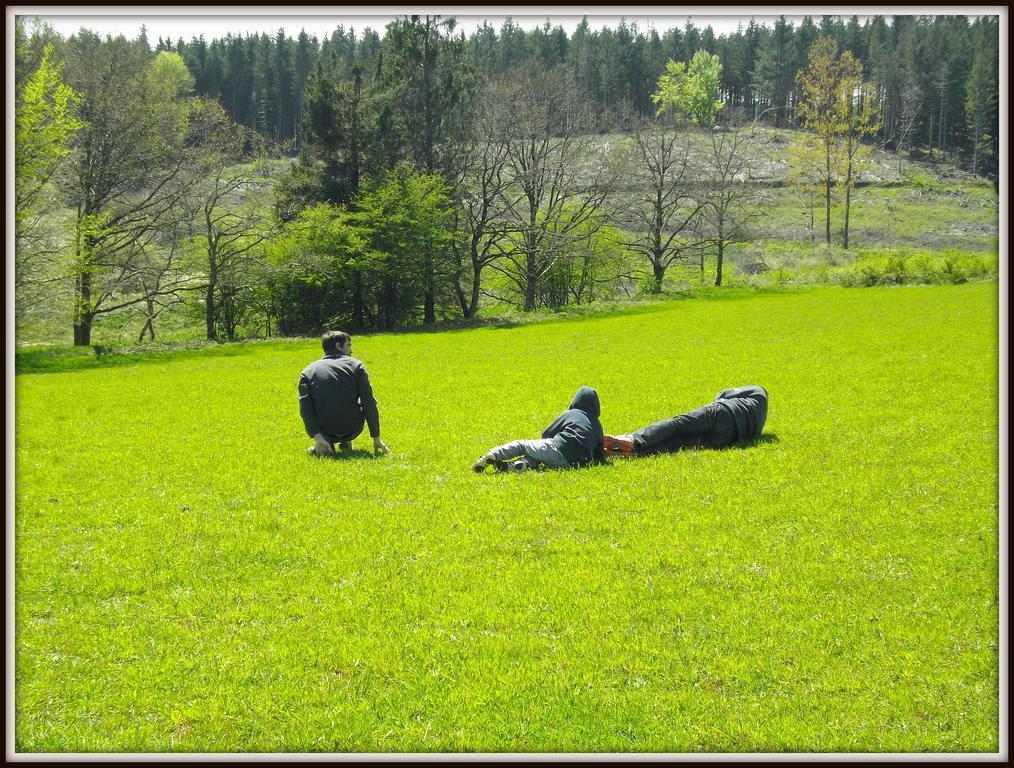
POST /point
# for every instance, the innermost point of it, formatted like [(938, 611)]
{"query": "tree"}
[(823, 109), (549, 196), (131, 166), (667, 206), (426, 71), (982, 97), (46, 121), (232, 215), (691, 89), (910, 108), (480, 183), (725, 177), (424, 65), (772, 76), (861, 121), (406, 223), (312, 264)]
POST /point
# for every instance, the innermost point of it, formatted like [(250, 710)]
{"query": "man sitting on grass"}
[(335, 398), (572, 440), (735, 415)]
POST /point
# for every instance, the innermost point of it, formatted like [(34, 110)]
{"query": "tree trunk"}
[(149, 322), (720, 259), (82, 316), (531, 275), (848, 201), (658, 270), (827, 209), (209, 307), (975, 147), (429, 306), (473, 302)]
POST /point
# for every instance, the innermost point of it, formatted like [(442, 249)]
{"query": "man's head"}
[(336, 341)]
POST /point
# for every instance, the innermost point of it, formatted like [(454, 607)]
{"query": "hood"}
[(587, 400)]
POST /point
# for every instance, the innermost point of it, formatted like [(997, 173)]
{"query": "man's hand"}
[(322, 447), (379, 447)]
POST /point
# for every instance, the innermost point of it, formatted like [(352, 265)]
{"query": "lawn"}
[(188, 579)]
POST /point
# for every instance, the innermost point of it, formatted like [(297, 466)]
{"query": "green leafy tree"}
[(691, 89), (842, 111), (314, 264), (407, 218), (46, 120), (424, 67)]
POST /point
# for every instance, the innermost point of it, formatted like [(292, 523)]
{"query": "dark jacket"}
[(749, 407), (335, 397), (577, 431)]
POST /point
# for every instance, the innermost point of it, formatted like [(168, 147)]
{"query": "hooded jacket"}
[(749, 407), (577, 432)]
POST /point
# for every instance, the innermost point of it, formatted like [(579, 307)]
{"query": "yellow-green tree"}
[(841, 111), (823, 109), (46, 119), (862, 120)]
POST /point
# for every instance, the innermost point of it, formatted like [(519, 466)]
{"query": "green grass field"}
[(188, 579)]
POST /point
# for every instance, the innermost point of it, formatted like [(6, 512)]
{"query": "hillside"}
[(926, 209)]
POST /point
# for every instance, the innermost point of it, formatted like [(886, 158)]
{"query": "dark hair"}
[(331, 340)]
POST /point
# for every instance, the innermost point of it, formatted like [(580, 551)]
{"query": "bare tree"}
[(163, 277), (551, 198), (667, 206), (479, 183), (726, 177)]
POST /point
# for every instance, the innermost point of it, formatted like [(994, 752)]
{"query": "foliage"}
[(425, 72), (314, 260), (370, 265), (691, 89), (188, 580), (902, 266), (46, 119), (45, 123), (842, 113)]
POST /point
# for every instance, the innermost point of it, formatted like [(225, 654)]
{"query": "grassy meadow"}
[(188, 579)]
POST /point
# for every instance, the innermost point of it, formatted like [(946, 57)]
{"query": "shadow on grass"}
[(63, 359), (60, 359), (767, 437), (356, 454)]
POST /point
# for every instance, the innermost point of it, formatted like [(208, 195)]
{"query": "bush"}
[(920, 267)]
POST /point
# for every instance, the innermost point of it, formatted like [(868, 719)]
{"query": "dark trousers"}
[(710, 426), (348, 437)]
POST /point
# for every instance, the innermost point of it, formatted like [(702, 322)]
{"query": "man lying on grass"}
[(572, 440), (335, 398), (735, 415)]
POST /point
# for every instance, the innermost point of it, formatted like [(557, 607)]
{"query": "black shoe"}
[(480, 465)]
